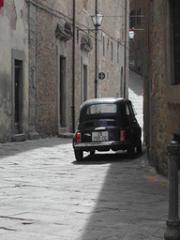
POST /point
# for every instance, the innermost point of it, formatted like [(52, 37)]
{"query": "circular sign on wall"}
[(101, 75)]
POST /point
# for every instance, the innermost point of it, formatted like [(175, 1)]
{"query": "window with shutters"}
[(112, 51), (132, 21), (139, 13), (104, 46), (175, 10)]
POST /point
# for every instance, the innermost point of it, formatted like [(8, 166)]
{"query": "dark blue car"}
[(107, 124)]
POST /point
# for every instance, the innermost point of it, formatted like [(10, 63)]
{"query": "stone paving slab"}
[(46, 194)]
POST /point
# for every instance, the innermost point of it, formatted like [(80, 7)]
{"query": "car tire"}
[(78, 155), (139, 147), (131, 151)]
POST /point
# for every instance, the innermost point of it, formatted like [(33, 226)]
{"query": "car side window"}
[(127, 110), (131, 109)]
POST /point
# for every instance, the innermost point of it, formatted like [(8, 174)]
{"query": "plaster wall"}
[(14, 36)]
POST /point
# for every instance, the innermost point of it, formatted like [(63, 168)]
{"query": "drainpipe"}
[(125, 49), (96, 53), (73, 65)]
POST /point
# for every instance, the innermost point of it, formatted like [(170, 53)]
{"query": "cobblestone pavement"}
[(46, 195)]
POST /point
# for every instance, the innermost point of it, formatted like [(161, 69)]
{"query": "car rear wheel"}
[(131, 151), (139, 147), (78, 155)]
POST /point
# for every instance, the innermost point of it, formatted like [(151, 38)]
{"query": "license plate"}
[(100, 136)]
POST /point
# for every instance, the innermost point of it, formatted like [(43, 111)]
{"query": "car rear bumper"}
[(101, 146)]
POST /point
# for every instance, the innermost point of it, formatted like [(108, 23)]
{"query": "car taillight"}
[(78, 137), (122, 135)]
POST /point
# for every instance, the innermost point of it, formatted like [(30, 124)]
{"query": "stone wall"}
[(46, 48), (39, 34), (164, 96), (45, 51)]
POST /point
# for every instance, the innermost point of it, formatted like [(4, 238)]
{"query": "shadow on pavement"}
[(13, 148), (105, 158), (132, 203)]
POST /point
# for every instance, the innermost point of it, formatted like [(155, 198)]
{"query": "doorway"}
[(85, 76), (18, 95), (62, 92)]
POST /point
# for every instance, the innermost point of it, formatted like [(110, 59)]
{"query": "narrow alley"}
[(46, 194), (55, 55)]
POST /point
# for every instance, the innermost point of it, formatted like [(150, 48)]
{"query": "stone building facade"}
[(51, 60), (164, 79), (14, 64), (36, 54)]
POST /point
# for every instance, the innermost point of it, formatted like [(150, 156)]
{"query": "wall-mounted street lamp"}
[(97, 21), (131, 34)]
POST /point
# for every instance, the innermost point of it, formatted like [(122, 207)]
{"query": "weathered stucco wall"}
[(14, 35)]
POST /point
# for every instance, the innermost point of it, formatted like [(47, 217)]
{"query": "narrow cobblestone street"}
[(55, 55), (45, 194)]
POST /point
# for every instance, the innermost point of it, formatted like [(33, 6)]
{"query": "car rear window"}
[(101, 108)]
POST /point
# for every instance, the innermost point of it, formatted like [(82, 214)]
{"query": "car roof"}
[(103, 100)]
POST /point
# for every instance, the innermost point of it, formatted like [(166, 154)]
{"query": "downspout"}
[(28, 19), (73, 65), (96, 54), (125, 50), (149, 85)]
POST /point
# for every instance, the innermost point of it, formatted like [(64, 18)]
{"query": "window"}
[(112, 51), (175, 10), (103, 46), (127, 110), (18, 95), (132, 20), (102, 108), (85, 77), (77, 35), (62, 92), (118, 44), (107, 44), (139, 16)]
